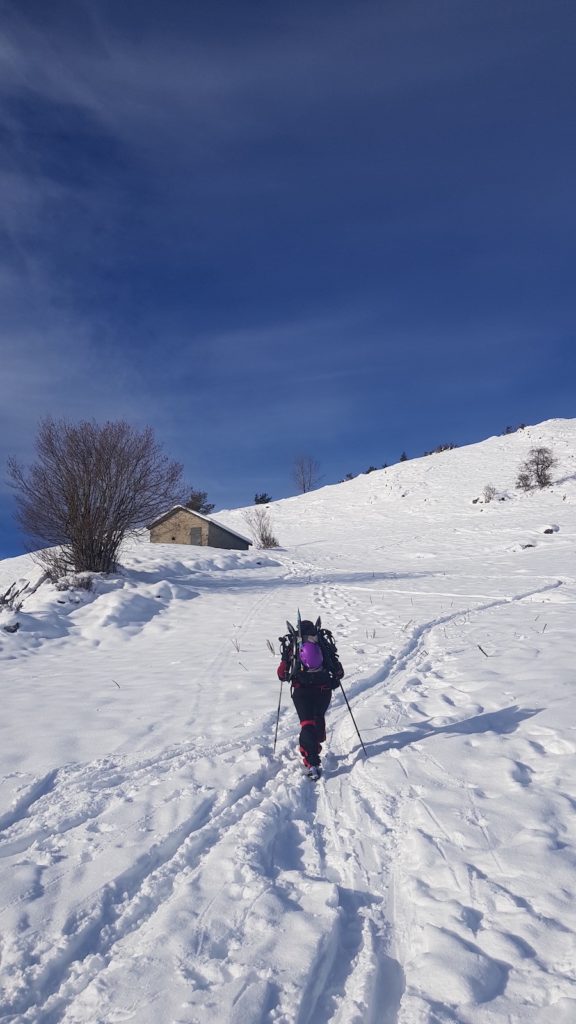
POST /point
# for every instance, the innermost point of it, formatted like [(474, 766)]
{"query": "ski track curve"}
[(91, 930), (286, 844), (360, 917)]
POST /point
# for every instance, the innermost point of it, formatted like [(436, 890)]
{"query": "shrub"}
[(524, 480), (260, 524), (535, 471), (441, 448), (76, 581)]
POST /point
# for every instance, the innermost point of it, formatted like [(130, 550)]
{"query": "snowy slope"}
[(158, 864)]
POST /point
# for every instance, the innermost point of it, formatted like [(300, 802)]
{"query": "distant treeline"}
[(433, 451)]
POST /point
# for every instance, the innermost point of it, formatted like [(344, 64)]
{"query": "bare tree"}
[(542, 461), (306, 473), (260, 524), (535, 472), (90, 486)]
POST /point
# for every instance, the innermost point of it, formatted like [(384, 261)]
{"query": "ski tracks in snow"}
[(250, 876), (208, 881), (409, 686)]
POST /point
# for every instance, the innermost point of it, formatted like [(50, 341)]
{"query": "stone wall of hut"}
[(183, 527), (180, 528)]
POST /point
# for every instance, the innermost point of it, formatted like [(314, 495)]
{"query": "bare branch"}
[(90, 486), (306, 473)]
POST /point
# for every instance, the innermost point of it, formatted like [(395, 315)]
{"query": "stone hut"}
[(182, 525)]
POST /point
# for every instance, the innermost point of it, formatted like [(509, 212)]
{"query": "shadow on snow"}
[(503, 722)]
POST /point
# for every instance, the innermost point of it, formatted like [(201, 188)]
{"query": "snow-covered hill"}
[(159, 865)]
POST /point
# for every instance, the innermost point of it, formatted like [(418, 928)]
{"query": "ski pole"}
[(352, 717), (278, 716)]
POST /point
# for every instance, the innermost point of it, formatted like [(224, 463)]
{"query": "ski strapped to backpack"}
[(329, 652), (291, 643)]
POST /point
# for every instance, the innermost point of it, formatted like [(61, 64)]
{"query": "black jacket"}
[(323, 678)]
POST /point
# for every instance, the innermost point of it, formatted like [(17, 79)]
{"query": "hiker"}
[(313, 672)]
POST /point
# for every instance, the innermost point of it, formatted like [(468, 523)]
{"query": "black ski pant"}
[(311, 703)]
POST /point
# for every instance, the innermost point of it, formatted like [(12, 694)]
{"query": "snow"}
[(159, 865)]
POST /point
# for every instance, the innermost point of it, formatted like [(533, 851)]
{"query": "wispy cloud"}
[(223, 85), (59, 373)]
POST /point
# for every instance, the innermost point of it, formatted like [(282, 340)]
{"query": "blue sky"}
[(270, 229)]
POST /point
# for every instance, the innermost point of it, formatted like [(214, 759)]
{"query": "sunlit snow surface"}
[(159, 865)]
